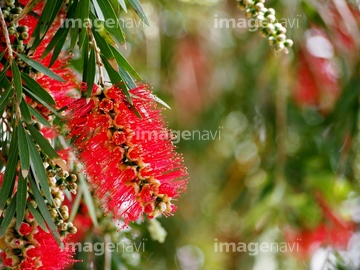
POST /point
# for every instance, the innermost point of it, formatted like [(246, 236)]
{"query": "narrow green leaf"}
[(75, 205), (45, 21), (103, 46), (39, 67), (44, 210), (84, 9), (37, 89), (2, 54), (9, 214), (160, 101), (25, 111), (38, 169), (59, 46), (41, 101), (10, 171), (17, 80), (38, 217), (127, 78), (139, 10), (110, 14), (28, 8), (122, 62), (24, 151), (38, 116), (91, 71), (42, 142), (6, 97), (21, 196), (116, 79), (55, 40)]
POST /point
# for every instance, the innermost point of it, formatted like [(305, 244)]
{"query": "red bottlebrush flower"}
[(130, 161), (32, 248)]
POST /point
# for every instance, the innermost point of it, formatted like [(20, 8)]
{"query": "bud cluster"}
[(270, 28), (18, 33)]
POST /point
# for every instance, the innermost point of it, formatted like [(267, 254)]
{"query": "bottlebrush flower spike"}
[(32, 248), (130, 161)]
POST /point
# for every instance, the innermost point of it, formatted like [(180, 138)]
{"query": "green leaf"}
[(75, 205), (39, 67), (25, 111), (56, 40), (45, 146), (9, 214), (6, 97), (38, 169), (17, 80), (42, 142), (127, 78), (116, 6), (21, 196), (59, 46), (91, 71), (48, 15), (84, 10), (139, 11), (122, 62), (10, 171), (37, 89), (38, 217), (24, 151), (38, 116), (44, 210), (116, 79), (2, 54), (103, 46), (110, 14), (41, 101), (28, 8)]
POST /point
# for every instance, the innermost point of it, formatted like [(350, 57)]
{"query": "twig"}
[(97, 55)]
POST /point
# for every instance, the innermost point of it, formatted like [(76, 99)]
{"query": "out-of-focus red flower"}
[(130, 161), (318, 75)]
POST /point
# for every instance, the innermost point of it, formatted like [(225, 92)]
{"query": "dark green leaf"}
[(103, 46), (9, 214), (91, 71), (44, 210), (2, 54), (38, 170), (84, 9), (139, 11), (55, 40), (24, 151), (38, 217), (38, 116), (45, 21), (59, 46), (25, 111), (10, 171), (17, 80), (37, 89), (6, 97), (39, 67), (122, 62), (127, 78), (21, 195), (41, 101), (42, 142), (116, 79)]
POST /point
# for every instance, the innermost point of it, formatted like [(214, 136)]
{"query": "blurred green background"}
[(283, 163)]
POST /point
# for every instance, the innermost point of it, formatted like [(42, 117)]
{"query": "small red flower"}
[(130, 161)]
